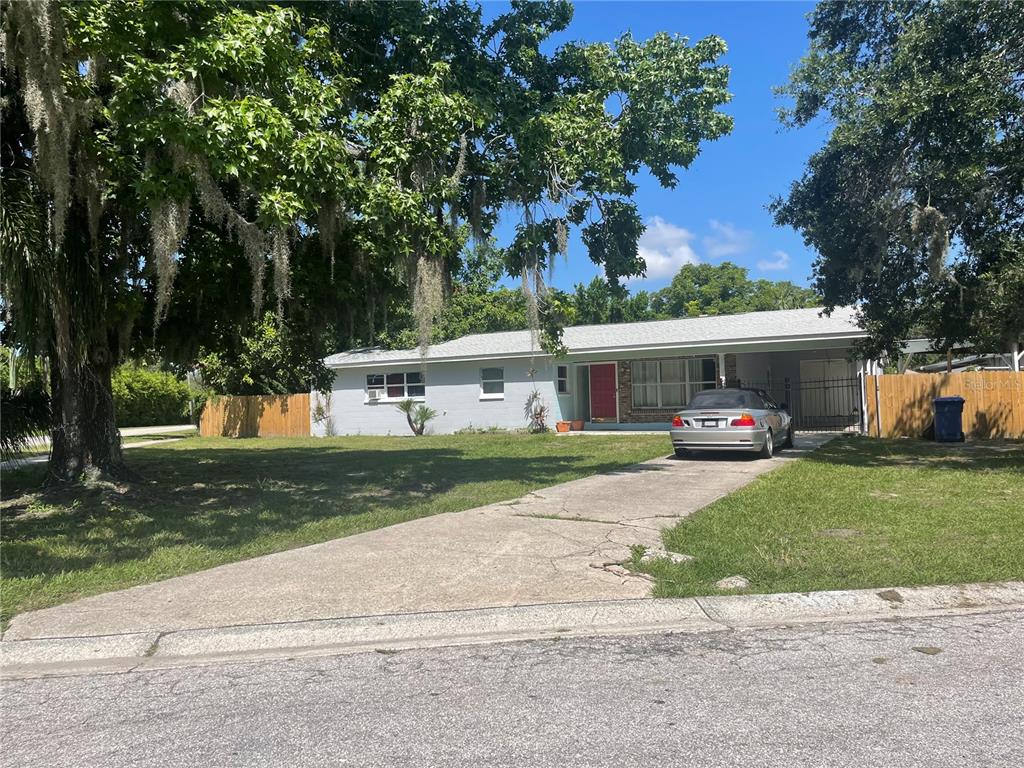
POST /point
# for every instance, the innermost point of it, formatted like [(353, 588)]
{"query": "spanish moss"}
[(279, 255), (35, 42), (168, 224), (428, 297), (930, 226)]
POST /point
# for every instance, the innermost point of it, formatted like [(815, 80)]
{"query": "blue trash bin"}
[(949, 427)]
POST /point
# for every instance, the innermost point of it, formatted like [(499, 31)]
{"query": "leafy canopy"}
[(329, 155), (915, 205), (270, 359)]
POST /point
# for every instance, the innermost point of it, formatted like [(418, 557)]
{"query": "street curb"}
[(386, 633)]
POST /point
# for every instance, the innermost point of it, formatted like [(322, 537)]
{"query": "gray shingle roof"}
[(782, 325)]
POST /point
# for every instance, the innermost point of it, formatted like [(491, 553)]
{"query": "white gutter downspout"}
[(1015, 357)]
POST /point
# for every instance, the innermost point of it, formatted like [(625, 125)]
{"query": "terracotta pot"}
[(577, 425), (562, 426)]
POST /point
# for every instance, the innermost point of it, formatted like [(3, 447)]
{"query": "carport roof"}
[(582, 340)]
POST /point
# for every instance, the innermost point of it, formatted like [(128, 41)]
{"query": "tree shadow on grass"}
[(994, 455), (227, 498)]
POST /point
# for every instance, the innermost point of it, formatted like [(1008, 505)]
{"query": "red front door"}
[(602, 392)]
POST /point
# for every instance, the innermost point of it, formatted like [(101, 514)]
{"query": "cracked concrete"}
[(517, 552)]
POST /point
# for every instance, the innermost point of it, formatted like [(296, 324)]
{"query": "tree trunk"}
[(85, 439)]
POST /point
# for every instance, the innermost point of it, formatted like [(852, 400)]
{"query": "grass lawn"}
[(860, 513), (202, 502)]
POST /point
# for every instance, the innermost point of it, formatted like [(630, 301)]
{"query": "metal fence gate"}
[(825, 405)]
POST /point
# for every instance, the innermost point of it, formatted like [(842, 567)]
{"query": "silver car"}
[(732, 420)]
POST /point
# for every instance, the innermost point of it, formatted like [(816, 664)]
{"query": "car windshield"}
[(722, 398)]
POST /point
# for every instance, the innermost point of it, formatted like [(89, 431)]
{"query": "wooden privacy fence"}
[(993, 407), (256, 416)]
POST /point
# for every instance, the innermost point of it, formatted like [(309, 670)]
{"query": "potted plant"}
[(562, 426), (576, 425)]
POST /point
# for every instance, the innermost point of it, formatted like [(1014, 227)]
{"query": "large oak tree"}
[(169, 168)]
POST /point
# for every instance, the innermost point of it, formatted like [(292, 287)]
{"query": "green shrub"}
[(146, 398), (25, 409), (25, 415)]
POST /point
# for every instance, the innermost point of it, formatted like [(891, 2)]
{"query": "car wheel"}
[(682, 453), (768, 448)]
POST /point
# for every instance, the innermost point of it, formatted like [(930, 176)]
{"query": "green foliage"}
[(914, 204), (24, 402), (613, 240), (599, 302), (470, 310), (725, 289), (697, 289), (536, 412), (144, 397), (270, 359), (21, 372), (417, 414), (26, 414)]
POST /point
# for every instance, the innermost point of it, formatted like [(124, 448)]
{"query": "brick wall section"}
[(655, 415)]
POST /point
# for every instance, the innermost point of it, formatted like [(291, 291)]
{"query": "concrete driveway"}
[(554, 545)]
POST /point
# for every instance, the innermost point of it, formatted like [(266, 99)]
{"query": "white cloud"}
[(780, 262), (664, 247), (726, 240)]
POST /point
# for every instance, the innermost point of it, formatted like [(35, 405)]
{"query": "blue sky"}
[(717, 211)]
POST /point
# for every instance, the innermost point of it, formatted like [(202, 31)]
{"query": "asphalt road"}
[(824, 695)]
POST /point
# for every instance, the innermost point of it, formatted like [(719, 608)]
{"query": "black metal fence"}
[(826, 405)]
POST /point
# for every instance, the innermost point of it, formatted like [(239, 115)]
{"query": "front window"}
[(562, 379), (671, 383), (492, 383), (395, 386)]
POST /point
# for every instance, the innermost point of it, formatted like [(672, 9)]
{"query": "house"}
[(618, 376)]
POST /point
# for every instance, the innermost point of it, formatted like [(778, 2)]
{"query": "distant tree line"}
[(478, 305)]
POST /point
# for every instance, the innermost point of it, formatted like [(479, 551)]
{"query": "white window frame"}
[(405, 387), (687, 383), (559, 379), (492, 395)]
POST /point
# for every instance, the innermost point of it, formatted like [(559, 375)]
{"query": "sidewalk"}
[(158, 650)]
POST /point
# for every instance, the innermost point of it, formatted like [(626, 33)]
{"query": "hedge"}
[(146, 398)]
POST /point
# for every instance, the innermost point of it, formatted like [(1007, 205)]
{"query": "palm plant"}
[(417, 414)]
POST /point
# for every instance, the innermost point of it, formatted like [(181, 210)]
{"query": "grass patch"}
[(860, 514), (202, 502)]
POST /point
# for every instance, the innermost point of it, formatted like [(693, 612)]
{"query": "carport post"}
[(861, 373), (878, 407), (1015, 355)]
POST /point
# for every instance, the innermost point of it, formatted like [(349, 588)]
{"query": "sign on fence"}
[(256, 416), (900, 405)]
